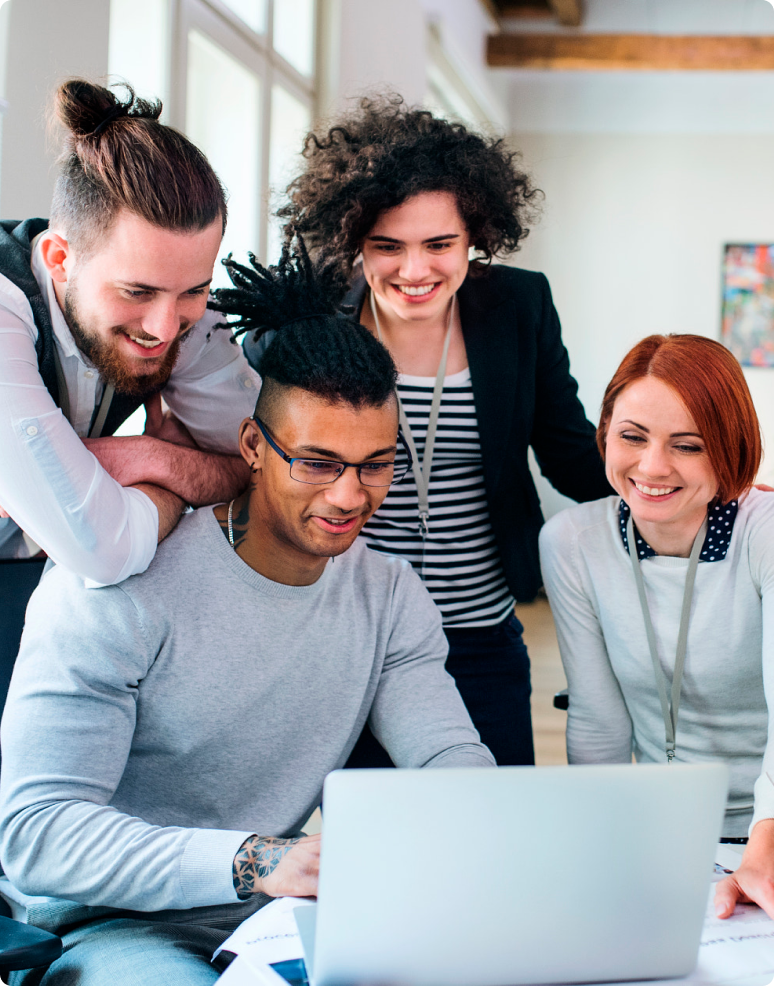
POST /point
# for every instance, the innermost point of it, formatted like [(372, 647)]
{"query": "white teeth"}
[(653, 491), (423, 289), (145, 343)]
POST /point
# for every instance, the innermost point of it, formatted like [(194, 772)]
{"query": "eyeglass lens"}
[(319, 471)]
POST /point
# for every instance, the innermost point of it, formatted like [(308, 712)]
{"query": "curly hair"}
[(386, 152), (315, 347)]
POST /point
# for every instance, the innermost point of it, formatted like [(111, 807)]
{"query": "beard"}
[(135, 377)]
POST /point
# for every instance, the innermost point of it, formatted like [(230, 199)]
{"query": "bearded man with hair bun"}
[(102, 309)]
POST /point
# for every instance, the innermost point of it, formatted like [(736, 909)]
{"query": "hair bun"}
[(85, 108)]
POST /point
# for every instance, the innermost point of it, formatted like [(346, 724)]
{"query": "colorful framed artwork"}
[(748, 302)]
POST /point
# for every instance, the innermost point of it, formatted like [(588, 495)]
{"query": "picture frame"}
[(748, 302)]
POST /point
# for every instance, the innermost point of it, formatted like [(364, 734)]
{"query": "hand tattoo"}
[(257, 858)]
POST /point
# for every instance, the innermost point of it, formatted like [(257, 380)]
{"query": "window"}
[(249, 68), (237, 76), (223, 115), (138, 47)]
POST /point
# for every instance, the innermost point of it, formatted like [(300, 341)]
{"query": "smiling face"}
[(129, 303), (299, 524), (416, 256), (657, 460)]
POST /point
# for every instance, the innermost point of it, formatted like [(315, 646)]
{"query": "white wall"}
[(46, 43), (647, 175), (379, 45), (632, 240), (370, 46)]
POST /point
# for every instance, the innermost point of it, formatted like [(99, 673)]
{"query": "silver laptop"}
[(520, 875)]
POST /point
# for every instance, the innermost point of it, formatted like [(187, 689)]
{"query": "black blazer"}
[(524, 396)]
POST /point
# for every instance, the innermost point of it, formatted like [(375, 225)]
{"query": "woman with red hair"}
[(663, 595)]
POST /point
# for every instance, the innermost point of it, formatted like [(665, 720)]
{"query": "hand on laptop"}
[(277, 867), (753, 882)]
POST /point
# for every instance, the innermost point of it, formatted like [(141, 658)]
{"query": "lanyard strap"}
[(64, 398), (422, 472), (102, 413), (669, 711)]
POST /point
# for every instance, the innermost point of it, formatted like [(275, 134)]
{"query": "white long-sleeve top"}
[(56, 490), (729, 667)]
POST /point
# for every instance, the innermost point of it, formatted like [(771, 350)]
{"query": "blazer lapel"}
[(491, 340)]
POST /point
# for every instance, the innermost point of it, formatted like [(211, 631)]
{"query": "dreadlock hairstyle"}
[(315, 347), (117, 155)]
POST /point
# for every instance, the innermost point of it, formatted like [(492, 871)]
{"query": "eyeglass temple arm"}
[(405, 445)]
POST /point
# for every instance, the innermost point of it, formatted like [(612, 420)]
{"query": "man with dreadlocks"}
[(165, 740)]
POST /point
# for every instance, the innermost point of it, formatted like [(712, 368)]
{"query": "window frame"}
[(223, 27)]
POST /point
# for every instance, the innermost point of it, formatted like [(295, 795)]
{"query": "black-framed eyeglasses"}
[(318, 472)]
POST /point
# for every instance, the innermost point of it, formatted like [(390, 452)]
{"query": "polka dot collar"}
[(720, 527)]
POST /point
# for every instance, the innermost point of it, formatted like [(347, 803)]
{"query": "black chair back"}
[(18, 578)]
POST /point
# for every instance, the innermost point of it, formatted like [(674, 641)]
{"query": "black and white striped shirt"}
[(460, 564)]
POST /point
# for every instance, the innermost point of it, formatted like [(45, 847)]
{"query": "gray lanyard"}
[(669, 712), (64, 398), (422, 472)]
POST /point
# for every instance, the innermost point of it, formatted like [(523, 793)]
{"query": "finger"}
[(727, 894), (4, 515)]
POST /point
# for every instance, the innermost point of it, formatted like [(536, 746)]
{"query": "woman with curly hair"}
[(400, 199)]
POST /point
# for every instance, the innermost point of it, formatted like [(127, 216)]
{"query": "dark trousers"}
[(18, 579), (491, 668)]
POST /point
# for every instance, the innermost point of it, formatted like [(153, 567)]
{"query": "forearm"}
[(51, 485), (760, 848), (197, 476), (91, 853), (169, 506)]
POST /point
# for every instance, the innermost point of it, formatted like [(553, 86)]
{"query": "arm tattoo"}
[(257, 858)]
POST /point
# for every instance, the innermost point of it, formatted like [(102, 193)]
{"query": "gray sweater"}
[(614, 706), (152, 726)]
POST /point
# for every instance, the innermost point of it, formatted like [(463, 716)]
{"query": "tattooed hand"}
[(277, 867)]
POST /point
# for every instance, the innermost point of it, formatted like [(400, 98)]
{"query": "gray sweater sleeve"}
[(66, 736), (417, 713), (599, 728)]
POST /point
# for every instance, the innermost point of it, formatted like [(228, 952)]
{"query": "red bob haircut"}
[(710, 383)]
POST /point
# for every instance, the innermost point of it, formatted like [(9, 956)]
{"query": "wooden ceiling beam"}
[(523, 9), (632, 52)]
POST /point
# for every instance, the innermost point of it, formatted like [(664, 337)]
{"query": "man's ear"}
[(251, 444), (56, 253)]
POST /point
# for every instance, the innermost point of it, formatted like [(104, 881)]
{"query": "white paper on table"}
[(742, 945), (738, 951), (269, 935)]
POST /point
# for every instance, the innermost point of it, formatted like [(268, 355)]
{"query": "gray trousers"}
[(119, 951)]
